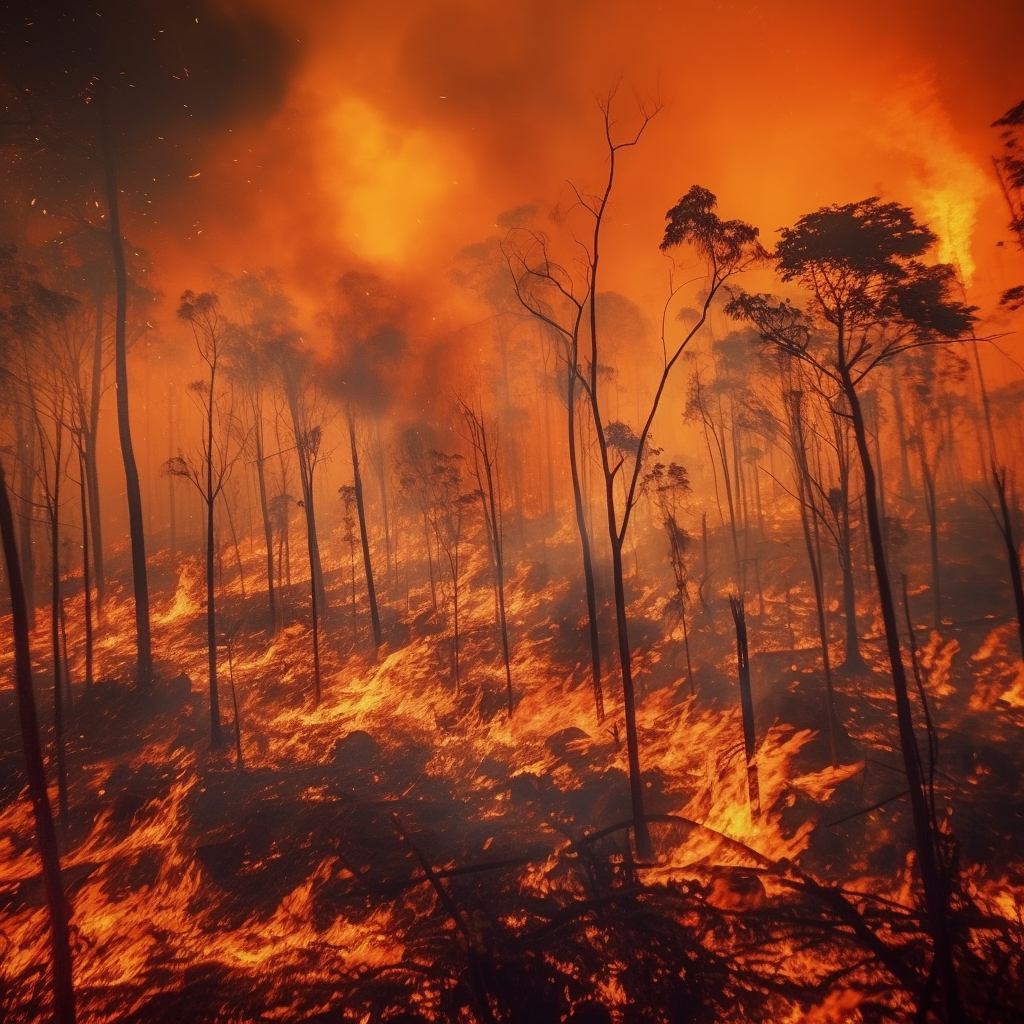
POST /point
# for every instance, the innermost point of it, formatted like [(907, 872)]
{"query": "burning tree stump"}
[(746, 702)]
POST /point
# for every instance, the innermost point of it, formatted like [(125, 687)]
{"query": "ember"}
[(437, 592)]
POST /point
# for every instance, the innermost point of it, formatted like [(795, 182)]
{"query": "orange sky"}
[(409, 127)]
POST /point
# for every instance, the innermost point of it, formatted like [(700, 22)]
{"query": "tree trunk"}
[(357, 480), (306, 480), (853, 661), (935, 888), (268, 529), (144, 662), (53, 501), (686, 639), (813, 557), (746, 704), (581, 527), (86, 579), (172, 507), (211, 618), (931, 508), (46, 836), (1012, 556), (27, 486), (380, 470), (906, 490), (430, 566), (641, 829), (91, 466)]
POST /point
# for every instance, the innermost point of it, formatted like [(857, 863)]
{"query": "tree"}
[(547, 291), (724, 249), (448, 505), (366, 321), (95, 94), (871, 296), (485, 469), (262, 316), (1009, 167), (667, 486), (46, 837), (209, 471), (306, 406), (32, 321)]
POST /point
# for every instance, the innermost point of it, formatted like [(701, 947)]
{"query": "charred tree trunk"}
[(686, 640), (746, 704), (171, 504), (581, 528), (307, 445), (239, 763), (934, 884), (804, 494), (357, 480), (1005, 524), (60, 741), (906, 491), (27, 486), (91, 464), (853, 660), (430, 566), (705, 548), (931, 507), (314, 603), (234, 543), (380, 471), (493, 520), (46, 836), (140, 585), (641, 829), (86, 576), (211, 616), (268, 528)]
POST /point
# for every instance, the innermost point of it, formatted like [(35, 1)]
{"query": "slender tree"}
[(873, 298), (485, 470), (547, 291), (46, 837), (208, 471)]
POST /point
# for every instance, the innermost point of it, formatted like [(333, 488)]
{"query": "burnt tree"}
[(872, 298)]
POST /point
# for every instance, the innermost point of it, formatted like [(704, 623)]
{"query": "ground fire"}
[(511, 516)]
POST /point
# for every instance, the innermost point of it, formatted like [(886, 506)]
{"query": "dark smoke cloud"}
[(177, 77)]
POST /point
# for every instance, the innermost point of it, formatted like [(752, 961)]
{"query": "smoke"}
[(948, 184), (317, 138)]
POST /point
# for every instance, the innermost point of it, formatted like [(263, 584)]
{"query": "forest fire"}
[(440, 585)]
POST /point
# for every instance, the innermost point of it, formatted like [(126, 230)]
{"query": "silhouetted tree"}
[(263, 314), (872, 298), (1009, 166), (366, 321), (209, 470), (667, 485), (485, 469), (46, 837), (548, 292)]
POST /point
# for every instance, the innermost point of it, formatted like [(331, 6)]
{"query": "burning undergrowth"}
[(406, 851)]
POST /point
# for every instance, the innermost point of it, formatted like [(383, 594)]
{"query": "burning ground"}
[(405, 847), (455, 589)]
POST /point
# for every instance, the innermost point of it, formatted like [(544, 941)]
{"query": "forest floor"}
[(406, 847)]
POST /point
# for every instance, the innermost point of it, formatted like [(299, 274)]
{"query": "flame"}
[(948, 182), (386, 180)]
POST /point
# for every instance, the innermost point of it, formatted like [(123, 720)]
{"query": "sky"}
[(406, 129), (320, 137)]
